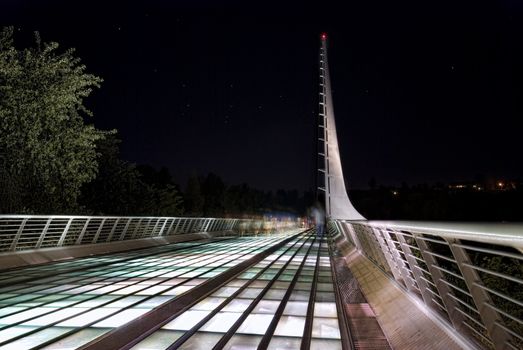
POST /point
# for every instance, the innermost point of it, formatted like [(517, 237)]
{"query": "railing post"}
[(186, 226), (481, 298), (396, 256), (170, 227), (110, 237), (62, 237), (155, 226), (137, 228), (95, 238), (387, 254), (82, 233), (18, 234), (178, 221), (338, 228), (122, 235), (207, 224), (444, 290), (147, 228), (198, 225), (163, 227), (353, 235), (43, 234), (181, 225), (371, 246), (212, 224), (422, 284)]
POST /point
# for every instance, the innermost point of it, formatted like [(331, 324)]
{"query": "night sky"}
[(423, 91)]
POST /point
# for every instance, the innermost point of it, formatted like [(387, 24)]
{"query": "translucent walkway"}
[(274, 291), (284, 300)]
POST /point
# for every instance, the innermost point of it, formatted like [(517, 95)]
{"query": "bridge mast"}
[(337, 202)]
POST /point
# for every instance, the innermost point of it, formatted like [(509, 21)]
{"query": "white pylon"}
[(337, 202)]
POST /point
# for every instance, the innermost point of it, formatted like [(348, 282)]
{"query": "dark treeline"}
[(210, 196), (123, 188), (423, 202)]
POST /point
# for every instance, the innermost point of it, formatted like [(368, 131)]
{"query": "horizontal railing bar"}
[(494, 273), (441, 257), (448, 271), (512, 346), (477, 332), (422, 269), (495, 233), (437, 303), (433, 292), (23, 232), (412, 247), (432, 240), (490, 251), (13, 216), (470, 317), (506, 314), (470, 307), (499, 294), (455, 287), (519, 336)]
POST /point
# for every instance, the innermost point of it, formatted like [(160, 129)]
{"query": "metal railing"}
[(470, 274), (23, 232)]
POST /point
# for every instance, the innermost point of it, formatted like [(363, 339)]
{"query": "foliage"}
[(193, 197), (48, 151), (213, 190), (210, 196), (163, 197), (122, 188)]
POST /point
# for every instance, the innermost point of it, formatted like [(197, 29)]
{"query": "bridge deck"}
[(406, 325), (275, 291)]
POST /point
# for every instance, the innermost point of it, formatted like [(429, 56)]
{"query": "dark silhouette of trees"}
[(213, 191), (122, 188), (438, 202), (210, 196), (193, 197)]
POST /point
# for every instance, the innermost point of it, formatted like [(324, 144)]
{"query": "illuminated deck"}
[(274, 291)]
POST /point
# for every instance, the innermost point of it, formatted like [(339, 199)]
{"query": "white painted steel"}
[(23, 232), (470, 274), (337, 202)]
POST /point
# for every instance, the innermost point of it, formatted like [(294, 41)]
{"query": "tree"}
[(122, 188), (163, 198), (117, 188), (48, 151), (213, 190), (193, 197)]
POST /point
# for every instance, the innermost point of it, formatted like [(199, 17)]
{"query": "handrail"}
[(474, 270), (503, 233), (23, 232)]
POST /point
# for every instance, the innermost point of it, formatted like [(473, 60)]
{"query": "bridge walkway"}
[(278, 291)]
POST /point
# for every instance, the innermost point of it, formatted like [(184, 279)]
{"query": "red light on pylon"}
[(323, 36)]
